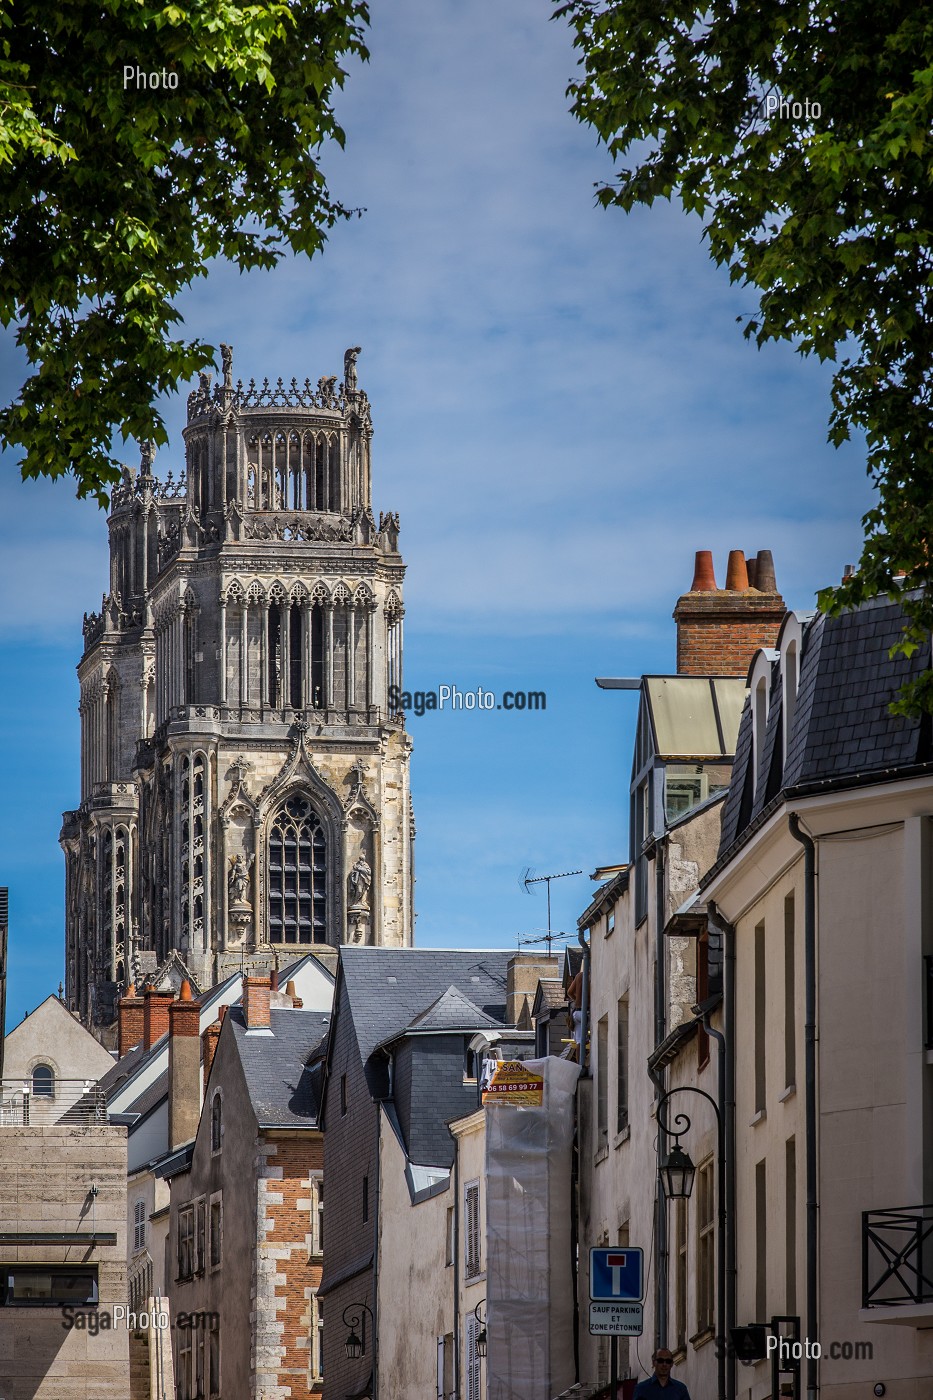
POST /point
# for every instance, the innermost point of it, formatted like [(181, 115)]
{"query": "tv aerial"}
[(529, 878)]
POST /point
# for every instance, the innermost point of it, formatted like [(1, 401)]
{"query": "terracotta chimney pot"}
[(767, 583), (704, 578), (736, 573)]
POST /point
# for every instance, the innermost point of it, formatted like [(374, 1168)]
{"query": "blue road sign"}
[(617, 1275)]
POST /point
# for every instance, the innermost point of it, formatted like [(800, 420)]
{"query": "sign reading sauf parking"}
[(616, 1290)]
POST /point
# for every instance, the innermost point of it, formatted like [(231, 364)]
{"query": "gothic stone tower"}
[(244, 788)]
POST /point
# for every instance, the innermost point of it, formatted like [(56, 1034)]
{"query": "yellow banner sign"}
[(512, 1084)]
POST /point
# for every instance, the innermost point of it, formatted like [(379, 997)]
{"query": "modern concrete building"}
[(63, 1258), (244, 778)]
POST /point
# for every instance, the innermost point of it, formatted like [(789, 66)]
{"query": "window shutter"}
[(471, 1233), (139, 1225), (472, 1361)]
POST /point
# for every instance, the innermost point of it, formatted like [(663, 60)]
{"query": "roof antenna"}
[(529, 878)]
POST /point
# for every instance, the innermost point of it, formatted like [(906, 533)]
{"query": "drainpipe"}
[(721, 1374), (456, 1267), (809, 934), (584, 1004), (660, 1027), (727, 1107), (660, 1226)]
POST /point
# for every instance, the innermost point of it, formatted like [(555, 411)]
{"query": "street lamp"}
[(481, 1334), (356, 1346), (677, 1175)]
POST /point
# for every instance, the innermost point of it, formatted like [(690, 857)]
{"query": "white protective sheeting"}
[(529, 1280)]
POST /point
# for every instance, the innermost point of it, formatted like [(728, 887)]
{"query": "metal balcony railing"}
[(897, 1256), (24, 1104)]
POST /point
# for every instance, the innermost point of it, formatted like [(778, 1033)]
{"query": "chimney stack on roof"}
[(155, 1015), (130, 1021), (209, 1039), (719, 630), (257, 1000), (184, 1067)]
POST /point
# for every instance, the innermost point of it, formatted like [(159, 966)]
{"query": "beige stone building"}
[(653, 999), (823, 889), (244, 776)]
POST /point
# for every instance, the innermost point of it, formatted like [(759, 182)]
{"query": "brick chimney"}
[(130, 1021), (257, 999), (525, 970), (720, 629), (184, 1067), (209, 1039), (155, 1015)]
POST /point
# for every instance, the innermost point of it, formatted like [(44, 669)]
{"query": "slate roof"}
[(283, 1090), (388, 987), (842, 728), (452, 1011), (550, 993)]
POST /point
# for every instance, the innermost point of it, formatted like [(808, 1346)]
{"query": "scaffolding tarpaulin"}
[(529, 1278)]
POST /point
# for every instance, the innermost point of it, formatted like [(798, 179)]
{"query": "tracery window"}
[(297, 874)]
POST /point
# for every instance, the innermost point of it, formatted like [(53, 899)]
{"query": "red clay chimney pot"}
[(704, 578), (736, 573)]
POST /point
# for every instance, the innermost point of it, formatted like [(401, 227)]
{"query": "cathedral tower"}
[(244, 788)]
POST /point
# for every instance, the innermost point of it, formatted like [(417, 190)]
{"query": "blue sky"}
[(565, 410)]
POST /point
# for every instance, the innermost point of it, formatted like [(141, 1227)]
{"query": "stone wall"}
[(46, 1175)]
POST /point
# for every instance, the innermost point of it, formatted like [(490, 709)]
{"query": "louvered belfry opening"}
[(297, 875)]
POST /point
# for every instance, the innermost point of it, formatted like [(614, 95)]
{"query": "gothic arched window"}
[(297, 874)]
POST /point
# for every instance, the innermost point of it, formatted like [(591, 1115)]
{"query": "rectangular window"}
[(680, 1293), (610, 922), (471, 1251), (790, 1225), (186, 1242), (365, 1199), (217, 1223), (317, 1340), (213, 1344), (201, 1244), (139, 1225), (602, 1081), (449, 1252), (622, 1066), (761, 1241), (706, 1232), (343, 1093), (48, 1286), (185, 1378), (470, 1065), (317, 1215), (702, 994), (473, 1378), (790, 993), (760, 1027)]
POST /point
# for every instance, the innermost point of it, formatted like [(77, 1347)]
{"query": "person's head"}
[(663, 1361)]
